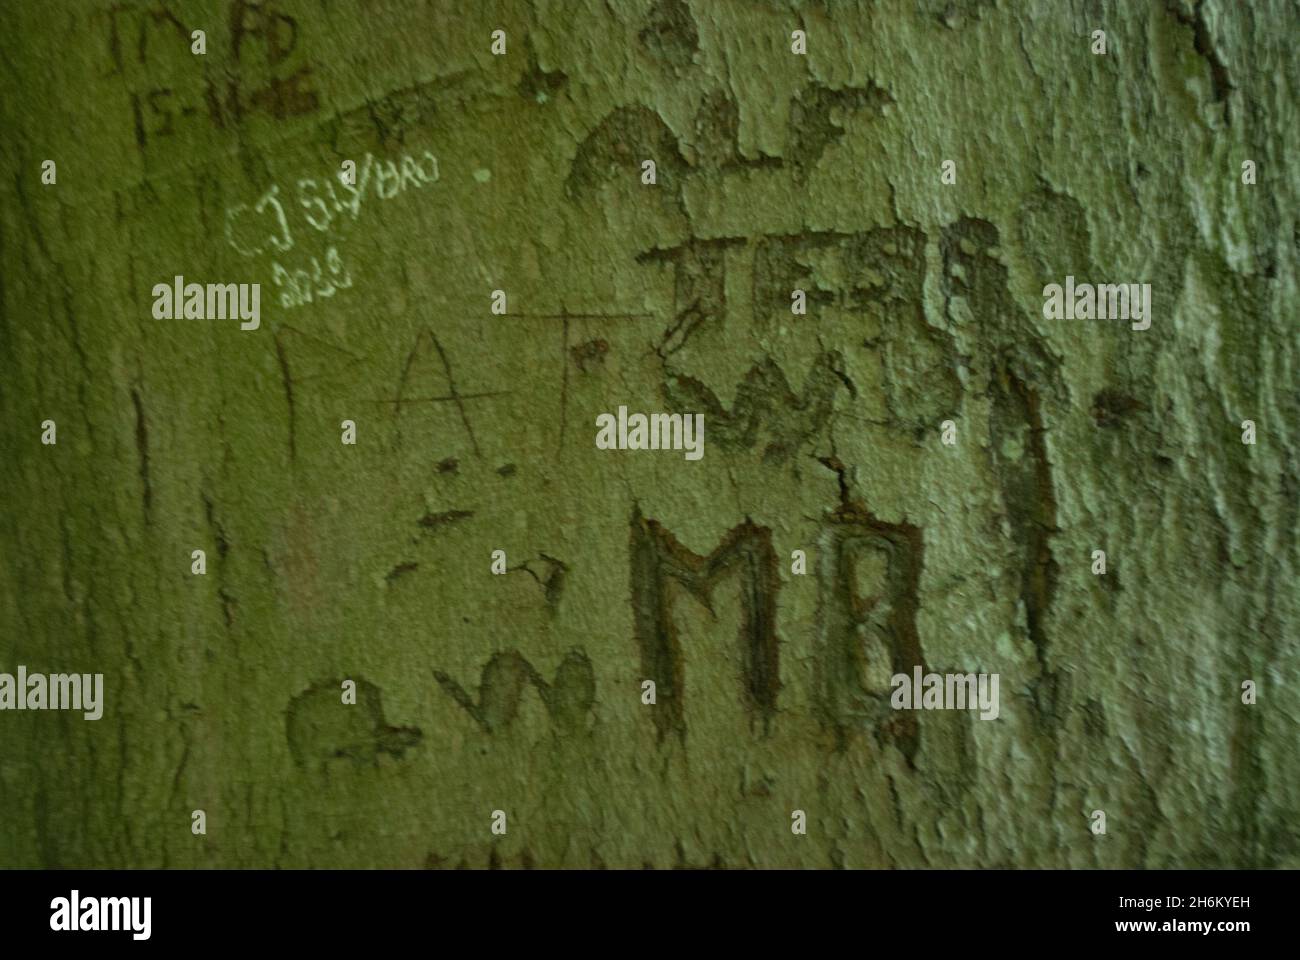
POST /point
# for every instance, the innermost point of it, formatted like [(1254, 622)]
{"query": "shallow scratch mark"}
[(456, 396), (142, 447), (435, 521), (287, 380)]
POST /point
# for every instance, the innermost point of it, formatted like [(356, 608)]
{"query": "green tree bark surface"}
[(523, 692)]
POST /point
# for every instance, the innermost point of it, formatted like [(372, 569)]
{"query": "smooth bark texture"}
[(774, 172)]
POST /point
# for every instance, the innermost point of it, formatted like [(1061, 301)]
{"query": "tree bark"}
[(523, 692)]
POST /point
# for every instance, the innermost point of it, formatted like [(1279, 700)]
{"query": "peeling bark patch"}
[(814, 123), (716, 137), (670, 34), (615, 148), (974, 273), (1220, 83)]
